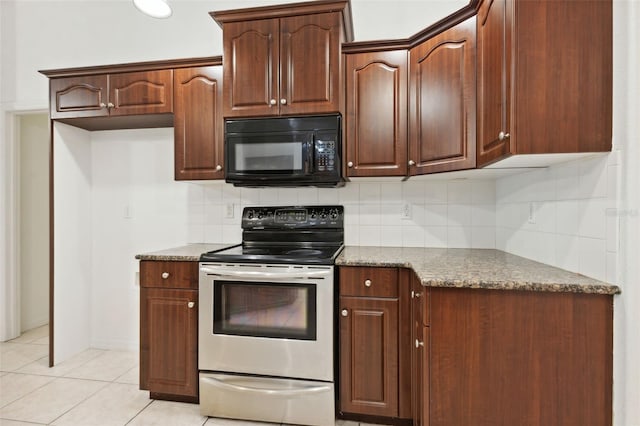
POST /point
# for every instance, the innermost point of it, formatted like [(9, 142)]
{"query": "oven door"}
[(272, 320)]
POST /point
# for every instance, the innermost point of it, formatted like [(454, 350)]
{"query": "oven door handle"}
[(266, 391), (226, 273)]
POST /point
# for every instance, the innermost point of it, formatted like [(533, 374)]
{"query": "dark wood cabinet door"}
[(376, 113), (169, 341), (251, 52), (369, 356), (494, 81), (72, 97), (198, 123), (419, 354), (310, 64), (442, 106), (520, 358), (149, 92)]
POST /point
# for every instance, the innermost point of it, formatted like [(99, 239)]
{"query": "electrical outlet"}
[(532, 213), (229, 211), (405, 213)]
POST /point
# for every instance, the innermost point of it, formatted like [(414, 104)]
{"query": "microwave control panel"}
[(325, 155)]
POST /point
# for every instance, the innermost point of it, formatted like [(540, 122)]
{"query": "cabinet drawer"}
[(420, 296), (369, 282), (169, 274)]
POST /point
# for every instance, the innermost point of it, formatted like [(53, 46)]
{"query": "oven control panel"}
[(293, 217)]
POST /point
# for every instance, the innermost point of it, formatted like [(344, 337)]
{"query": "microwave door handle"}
[(310, 154)]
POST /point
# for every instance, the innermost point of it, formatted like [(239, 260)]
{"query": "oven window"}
[(268, 156), (263, 309)]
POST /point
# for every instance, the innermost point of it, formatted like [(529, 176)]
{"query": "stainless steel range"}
[(266, 325)]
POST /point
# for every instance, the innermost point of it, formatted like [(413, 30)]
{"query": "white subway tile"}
[(231, 234), (213, 234), (250, 196), (545, 216), (435, 236), (288, 196), (195, 194), (349, 194), (195, 233), (327, 196), (213, 214), (483, 237), (593, 218), (269, 196), (436, 215), (369, 214), (541, 186), (213, 194), (566, 252), (613, 172), (459, 192), (351, 215), (568, 217), (391, 236), (231, 194), (459, 236), (593, 258), (351, 235), (613, 229), (567, 180), (593, 177), (435, 192), (413, 236), (413, 192), (483, 215), (483, 192), (369, 235), (369, 192), (307, 196), (459, 215), (612, 268), (391, 192)]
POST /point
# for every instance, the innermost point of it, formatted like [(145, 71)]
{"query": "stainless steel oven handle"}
[(280, 392), (259, 274)]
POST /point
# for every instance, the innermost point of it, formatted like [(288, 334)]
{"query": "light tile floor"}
[(94, 388)]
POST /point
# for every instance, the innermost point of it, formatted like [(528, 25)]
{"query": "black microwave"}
[(284, 151)]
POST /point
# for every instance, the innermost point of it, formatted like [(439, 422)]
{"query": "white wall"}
[(34, 220), (72, 242)]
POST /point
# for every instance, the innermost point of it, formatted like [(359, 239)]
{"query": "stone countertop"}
[(475, 268), (190, 252)]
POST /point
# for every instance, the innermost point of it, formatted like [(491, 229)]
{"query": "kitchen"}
[(196, 213)]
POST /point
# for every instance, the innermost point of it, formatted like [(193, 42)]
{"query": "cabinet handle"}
[(218, 167), (419, 343), (350, 164), (367, 283), (111, 105), (344, 313), (272, 102), (502, 136), (103, 105), (416, 295), (191, 304), (283, 101), (165, 275), (412, 163)]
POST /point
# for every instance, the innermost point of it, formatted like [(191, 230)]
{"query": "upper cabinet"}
[(376, 118), (442, 101), (284, 60), (544, 77), (120, 94), (198, 130)]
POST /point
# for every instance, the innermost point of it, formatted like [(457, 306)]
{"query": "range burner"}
[(287, 235)]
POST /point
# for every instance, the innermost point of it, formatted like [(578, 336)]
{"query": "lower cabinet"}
[(169, 330), (372, 359), (420, 353)]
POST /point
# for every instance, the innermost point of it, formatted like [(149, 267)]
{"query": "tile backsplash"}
[(563, 215), (458, 213)]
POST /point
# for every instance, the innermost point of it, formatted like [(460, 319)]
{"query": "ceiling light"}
[(154, 8)]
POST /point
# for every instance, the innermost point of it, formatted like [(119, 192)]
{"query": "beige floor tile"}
[(17, 355), (162, 413), (215, 421), (108, 366), (41, 341), (41, 366), (131, 377), (32, 335), (14, 386), (5, 422), (346, 423), (113, 405), (52, 400)]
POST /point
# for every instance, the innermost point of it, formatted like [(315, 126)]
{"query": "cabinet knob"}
[(350, 164), (416, 294), (367, 283), (272, 102), (111, 105), (191, 304), (502, 136), (412, 163), (344, 313), (283, 101), (103, 105), (419, 343), (218, 167), (165, 275)]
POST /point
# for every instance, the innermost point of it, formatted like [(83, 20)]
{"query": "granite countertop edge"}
[(452, 268)]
